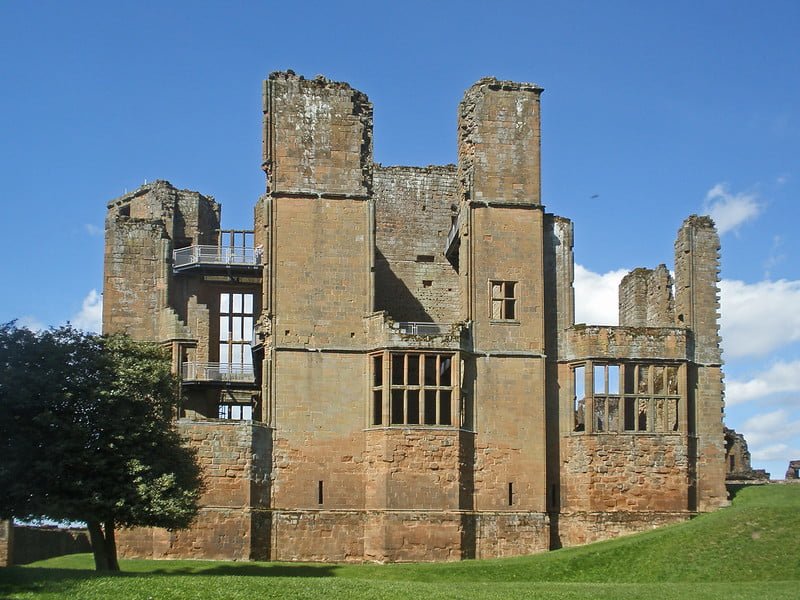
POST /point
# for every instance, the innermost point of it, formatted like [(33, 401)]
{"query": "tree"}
[(87, 434)]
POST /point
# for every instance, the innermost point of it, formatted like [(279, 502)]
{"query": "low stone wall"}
[(20, 545)]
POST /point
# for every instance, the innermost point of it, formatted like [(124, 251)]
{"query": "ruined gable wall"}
[(645, 298), (141, 230), (414, 209), (317, 136), (499, 142)]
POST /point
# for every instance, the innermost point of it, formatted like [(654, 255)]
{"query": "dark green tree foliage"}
[(87, 434)]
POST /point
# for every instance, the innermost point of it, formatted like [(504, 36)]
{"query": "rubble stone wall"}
[(580, 528), (639, 472)]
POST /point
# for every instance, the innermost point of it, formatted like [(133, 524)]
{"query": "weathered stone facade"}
[(387, 366)]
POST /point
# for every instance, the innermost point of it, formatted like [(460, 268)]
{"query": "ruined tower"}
[(387, 367)]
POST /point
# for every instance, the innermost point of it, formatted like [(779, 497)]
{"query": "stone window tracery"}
[(413, 388), (626, 397)]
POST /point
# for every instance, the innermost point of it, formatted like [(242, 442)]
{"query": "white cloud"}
[(772, 435), (758, 318), (597, 296), (729, 210), (90, 317), (779, 378), (776, 452), (92, 230)]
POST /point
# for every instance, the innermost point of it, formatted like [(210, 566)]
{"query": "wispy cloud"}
[(93, 230), (728, 210), (776, 256), (780, 377), (90, 316), (597, 296), (758, 318)]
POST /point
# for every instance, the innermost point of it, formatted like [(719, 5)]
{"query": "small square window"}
[(503, 300)]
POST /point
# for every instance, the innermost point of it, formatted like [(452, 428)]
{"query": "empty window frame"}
[(235, 412), (503, 300), (606, 394), (236, 313), (651, 397), (579, 397), (420, 388), (626, 397)]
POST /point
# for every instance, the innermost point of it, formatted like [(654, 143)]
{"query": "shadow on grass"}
[(254, 570), (735, 488), (33, 580)]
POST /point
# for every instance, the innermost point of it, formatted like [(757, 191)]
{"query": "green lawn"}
[(750, 550)]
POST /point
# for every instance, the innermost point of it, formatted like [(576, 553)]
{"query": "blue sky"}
[(651, 112)]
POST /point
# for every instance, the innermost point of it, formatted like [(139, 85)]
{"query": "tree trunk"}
[(98, 545), (111, 546), (104, 546)]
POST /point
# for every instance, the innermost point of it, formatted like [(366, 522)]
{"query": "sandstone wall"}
[(323, 266), (235, 459), (580, 528), (646, 298), (510, 456), (414, 210), (499, 141), (317, 136), (625, 472), (506, 245), (320, 413)]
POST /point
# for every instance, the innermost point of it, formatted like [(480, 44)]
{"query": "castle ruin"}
[(387, 367)]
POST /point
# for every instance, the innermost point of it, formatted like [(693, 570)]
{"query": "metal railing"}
[(214, 371), (418, 328), (215, 255)]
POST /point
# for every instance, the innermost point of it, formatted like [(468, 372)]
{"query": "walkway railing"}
[(418, 328), (214, 371), (215, 255)]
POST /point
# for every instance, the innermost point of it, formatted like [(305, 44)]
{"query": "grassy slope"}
[(751, 550)]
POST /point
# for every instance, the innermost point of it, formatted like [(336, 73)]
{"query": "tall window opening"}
[(235, 332)]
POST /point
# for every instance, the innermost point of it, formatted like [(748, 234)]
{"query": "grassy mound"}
[(750, 550)]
